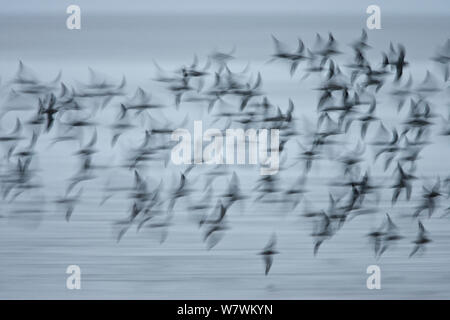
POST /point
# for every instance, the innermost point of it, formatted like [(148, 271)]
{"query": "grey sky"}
[(228, 6)]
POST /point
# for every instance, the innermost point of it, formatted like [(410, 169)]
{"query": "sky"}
[(330, 7)]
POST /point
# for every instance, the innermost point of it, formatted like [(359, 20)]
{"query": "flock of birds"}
[(347, 102)]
